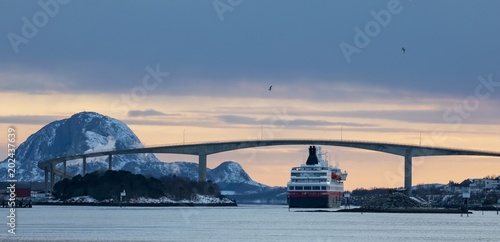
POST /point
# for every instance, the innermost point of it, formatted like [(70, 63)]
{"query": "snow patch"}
[(231, 172), (81, 199), (175, 168), (99, 142), (151, 200), (196, 199), (227, 192), (418, 200), (203, 199)]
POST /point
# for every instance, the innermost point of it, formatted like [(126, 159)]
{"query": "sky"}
[(192, 71)]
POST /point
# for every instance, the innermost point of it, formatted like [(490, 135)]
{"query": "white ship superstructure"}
[(316, 184)]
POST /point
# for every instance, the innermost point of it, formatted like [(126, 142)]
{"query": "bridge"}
[(204, 149)]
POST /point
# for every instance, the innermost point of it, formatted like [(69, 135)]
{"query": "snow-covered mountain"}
[(89, 132), (81, 133), (230, 176)]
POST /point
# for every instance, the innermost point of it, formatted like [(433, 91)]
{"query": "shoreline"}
[(137, 204), (405, 210)]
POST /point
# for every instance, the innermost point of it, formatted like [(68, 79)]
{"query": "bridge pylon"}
[(109, 162), (408, 171), (84, 166), (202, 167)]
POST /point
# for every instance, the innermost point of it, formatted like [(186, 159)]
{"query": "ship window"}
[(307, 188), (323, 188), (315, 188), (291, 188), (298, 188)]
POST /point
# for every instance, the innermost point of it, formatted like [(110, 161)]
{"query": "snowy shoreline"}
[(198, 200), (118, 204)]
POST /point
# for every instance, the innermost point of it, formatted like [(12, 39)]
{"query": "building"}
[(485, 184), (22, 189)]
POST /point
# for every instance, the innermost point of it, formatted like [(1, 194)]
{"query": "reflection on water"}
[(244, 223)]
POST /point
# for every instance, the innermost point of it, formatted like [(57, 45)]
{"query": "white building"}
[(481, 184)]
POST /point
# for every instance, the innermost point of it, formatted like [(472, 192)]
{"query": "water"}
[(243, 223)]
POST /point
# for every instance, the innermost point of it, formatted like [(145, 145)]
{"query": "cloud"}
[(145, 113), (29, 119), (306, 122), (15, 78), (244, 120), (81, 50), (485, 114), (235, 119)]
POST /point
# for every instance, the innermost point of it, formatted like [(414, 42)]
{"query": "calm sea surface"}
[(243, 223)]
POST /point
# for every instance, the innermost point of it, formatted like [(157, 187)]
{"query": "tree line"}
[(109, 184)]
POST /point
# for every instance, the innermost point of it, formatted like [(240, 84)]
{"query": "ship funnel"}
[(312, 159)]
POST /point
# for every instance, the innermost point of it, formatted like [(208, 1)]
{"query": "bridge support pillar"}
[(408, 171), (84, 169), (64, 170), (52, 177), (46, 181), (109, 162), (202, 167)]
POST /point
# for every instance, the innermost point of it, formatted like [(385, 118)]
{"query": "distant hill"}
[(230, 176)]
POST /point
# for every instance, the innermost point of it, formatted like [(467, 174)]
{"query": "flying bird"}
[(270, 87), (403, 49)]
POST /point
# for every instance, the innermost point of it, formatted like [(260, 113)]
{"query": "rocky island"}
[(122, 188), (398, 202)]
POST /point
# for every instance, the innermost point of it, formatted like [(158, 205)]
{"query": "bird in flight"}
[(403, 49), (270, 87)]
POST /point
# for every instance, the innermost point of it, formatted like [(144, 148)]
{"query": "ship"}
[(316, 184)]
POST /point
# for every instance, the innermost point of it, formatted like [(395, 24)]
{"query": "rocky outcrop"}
[(392, 201)]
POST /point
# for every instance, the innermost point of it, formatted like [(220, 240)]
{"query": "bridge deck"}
[(204, 149)]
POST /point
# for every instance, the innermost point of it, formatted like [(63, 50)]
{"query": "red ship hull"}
[(313, 199)]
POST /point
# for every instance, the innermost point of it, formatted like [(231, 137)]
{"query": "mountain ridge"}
[(88, 132)]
